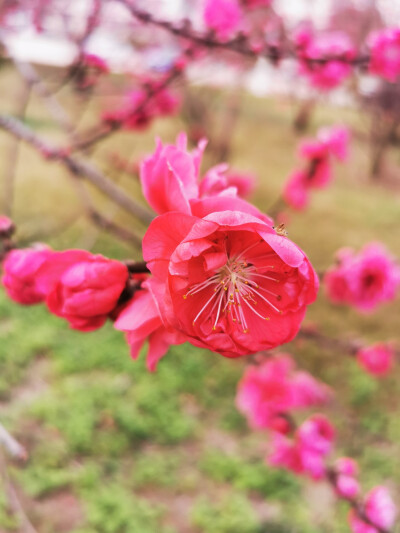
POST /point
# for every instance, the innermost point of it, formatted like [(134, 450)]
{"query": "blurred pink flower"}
[(218, 180), (270, 390), (376, 359), (20, 274), (318, 153), (222, 16), (296, 192), (6, 226), (346, 484), (385, 53), (379, 508), (325, 59), (347, 487), (140, 109), (306, 454), (364, 280), (346, 466)]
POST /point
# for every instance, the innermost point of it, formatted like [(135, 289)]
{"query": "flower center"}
[(235, 291)]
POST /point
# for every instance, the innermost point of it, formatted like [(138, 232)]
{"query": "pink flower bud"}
[(317, 434), (20, 274), (376, 359), (81, 287), (7, 227), (347, 487), (346, 466), (380, 508)]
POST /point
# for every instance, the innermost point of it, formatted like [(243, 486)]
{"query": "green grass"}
[(168, 452)]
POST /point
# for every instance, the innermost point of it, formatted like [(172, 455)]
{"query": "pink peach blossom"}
[(346, 484), (233, 285), (364, 280), (347, 487), (296, 191), (385, 53), (81, 287), (306, 454), (346, 466), (376, 359), (318, 153), (380, 510), (138, 110), (272, 389), (141, 320), (20, 274), (218, 180), (6, 226), (335, 52), (336, 139), (222, 16), (316, 434)]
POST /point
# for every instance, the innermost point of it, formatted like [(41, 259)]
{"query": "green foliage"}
[(246, 475), (112, 509), (152, 468), (233, 514)]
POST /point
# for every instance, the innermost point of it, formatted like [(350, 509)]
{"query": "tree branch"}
[(240, 45), (78, 168)]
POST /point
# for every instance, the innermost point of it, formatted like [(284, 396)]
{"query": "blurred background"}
[(111, 447)]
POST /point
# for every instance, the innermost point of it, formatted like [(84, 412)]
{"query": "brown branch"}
[(77, 167), (14, 448), (136, 267), (331, 476), (240, 45), (25, 525), (350, 346)]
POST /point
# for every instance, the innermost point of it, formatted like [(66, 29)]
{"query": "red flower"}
[(233, 285), (141, 320)]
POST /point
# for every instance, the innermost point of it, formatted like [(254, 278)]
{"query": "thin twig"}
[(78, 168), (14, 502), (14, 448)]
